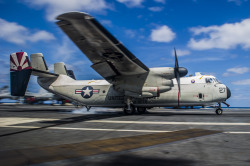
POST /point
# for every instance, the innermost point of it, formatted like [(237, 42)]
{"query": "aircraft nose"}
[(228, 93)]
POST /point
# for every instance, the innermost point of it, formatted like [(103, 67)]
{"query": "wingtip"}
[(73, 15)]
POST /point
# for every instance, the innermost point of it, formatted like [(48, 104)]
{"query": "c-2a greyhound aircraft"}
[(128, 84)]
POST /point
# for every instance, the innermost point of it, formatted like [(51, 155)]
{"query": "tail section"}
[(71, 74), (20, 71), (38, 62), (39, 66), (60, 68)]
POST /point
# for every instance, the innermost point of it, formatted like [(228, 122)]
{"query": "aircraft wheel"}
[(219, 111), (129, 112), (141, 110)]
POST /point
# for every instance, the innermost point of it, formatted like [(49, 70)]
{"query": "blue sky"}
[(211, 36)]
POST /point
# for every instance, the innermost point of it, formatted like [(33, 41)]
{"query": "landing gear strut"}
[(129, 109), (219, 111)]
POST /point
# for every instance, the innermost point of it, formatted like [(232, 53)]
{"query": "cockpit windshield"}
[(212, 80), (217, 81)]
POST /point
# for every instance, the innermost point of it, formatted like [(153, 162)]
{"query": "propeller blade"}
[(176, 60), (177, 75)]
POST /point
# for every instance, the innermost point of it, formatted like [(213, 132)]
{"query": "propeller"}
[(179, 72), (177, 75)]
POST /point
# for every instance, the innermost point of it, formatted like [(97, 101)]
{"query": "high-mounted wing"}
[(109, 57)]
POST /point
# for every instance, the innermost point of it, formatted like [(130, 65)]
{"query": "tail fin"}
[(60, 68), (38, 62), (20, 71)]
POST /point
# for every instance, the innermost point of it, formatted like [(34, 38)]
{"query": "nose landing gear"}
[(219, 110)]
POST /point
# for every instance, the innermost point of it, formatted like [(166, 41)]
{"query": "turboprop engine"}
[(153, 83)]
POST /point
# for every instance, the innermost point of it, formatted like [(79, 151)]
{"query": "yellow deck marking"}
[(68, 151)]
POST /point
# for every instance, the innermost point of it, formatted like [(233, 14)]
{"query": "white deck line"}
[(119, 130), (171, 123)]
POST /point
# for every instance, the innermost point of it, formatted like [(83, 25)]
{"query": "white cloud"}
[(155, 9), (237, 2), (239, 70), (181, 52), (160, 1), (236, 71), (64, 51), (106, 22), (18, 34), (226, 36), (56, 7), (130, 33), (131, 3), (162, 34), (242, 82)]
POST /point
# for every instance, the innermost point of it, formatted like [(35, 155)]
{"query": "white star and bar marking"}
[(87, 91)]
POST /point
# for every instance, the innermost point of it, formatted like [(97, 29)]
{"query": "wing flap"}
[(105, 69)]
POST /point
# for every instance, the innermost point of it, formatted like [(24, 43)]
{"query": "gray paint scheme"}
[(126, 77)]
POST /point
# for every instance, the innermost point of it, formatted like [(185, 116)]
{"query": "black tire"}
[(219, 111), (129, 112), (141, 110)]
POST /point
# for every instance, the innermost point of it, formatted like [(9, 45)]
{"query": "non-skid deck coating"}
[(55, 135), (68, 151)]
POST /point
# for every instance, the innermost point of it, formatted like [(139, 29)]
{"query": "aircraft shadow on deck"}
[(131, 160)]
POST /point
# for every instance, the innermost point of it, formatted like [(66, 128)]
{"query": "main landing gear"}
[(133, 109), (130, 109)]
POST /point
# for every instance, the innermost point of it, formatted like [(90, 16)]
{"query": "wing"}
[(109, 57)]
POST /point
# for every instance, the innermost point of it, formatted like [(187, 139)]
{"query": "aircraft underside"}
[(105, 95)]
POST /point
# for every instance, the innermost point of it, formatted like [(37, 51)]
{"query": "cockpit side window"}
[(209, 80)]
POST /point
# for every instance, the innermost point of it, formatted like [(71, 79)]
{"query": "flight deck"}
[(65, 135)]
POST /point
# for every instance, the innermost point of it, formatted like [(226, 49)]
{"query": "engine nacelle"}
[(151, 90), (154, 91)]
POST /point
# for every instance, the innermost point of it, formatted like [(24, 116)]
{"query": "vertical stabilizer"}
[(20, 71), (60, 68), (38, 62)]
